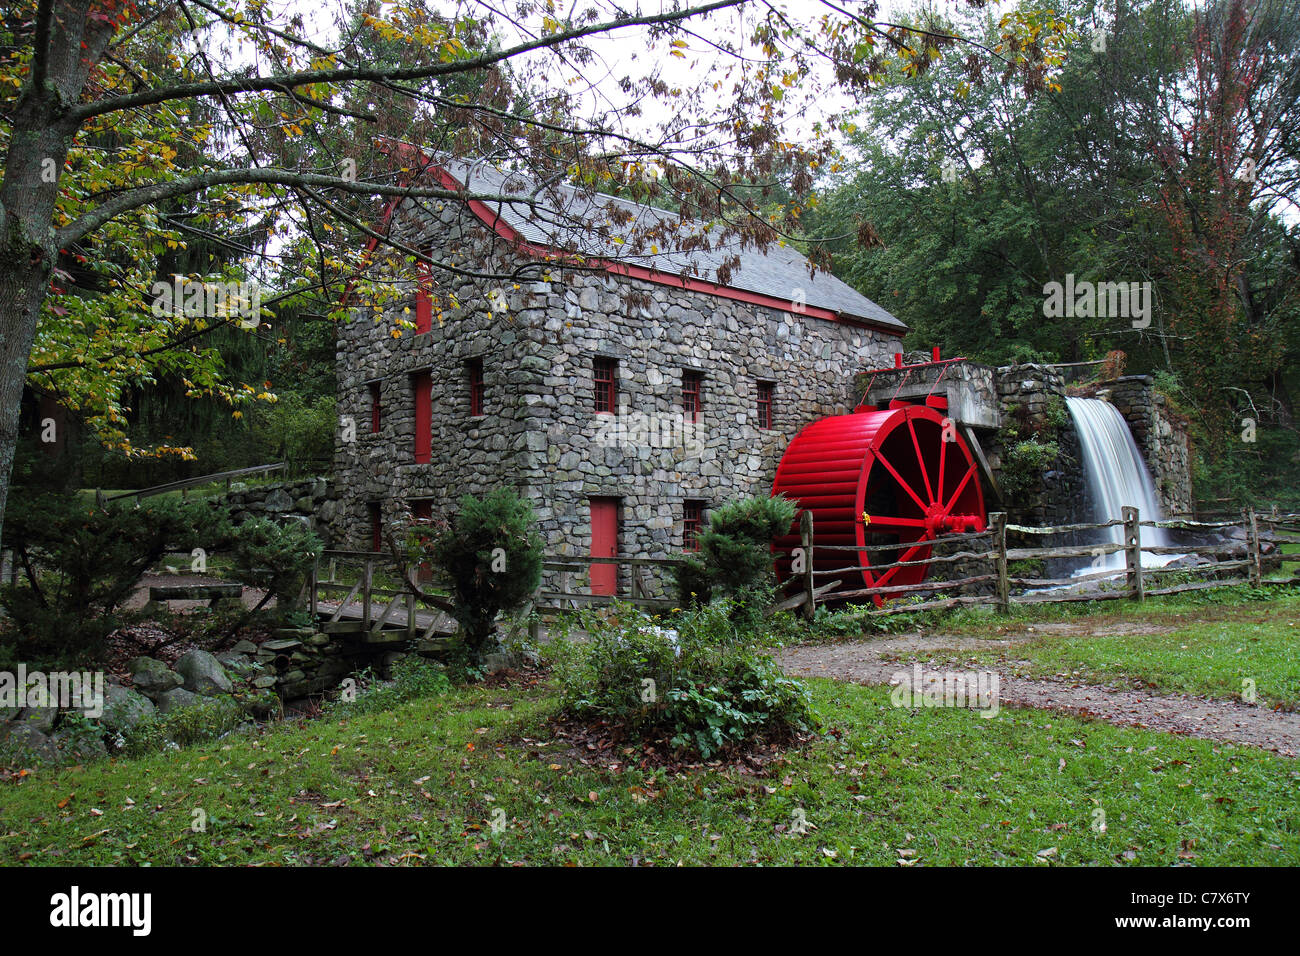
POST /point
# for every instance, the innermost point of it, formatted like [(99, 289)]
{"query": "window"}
[(422, 389), (605, 376), (423, 299), (691, 395), (376, 527), (474, 371), (765, 392), (374, 408), (692, 517)]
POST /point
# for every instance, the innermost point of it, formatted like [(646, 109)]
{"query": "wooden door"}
[(604, 544)]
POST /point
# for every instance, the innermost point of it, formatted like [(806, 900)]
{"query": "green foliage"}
[(295, 431), (209, 719), (735, 557), (79, 562), (1023, 465), (492, 554), (706, 689), (414, 678), (276, 556)]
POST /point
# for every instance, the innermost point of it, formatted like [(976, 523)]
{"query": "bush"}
[(209, 719), (276, 556), (492, 554), (735, 557), (414, 678), (702, 686), (79, 562)]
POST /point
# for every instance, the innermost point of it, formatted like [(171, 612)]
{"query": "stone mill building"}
[(624, 400)]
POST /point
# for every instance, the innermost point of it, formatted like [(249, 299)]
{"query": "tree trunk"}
[(40, 134)]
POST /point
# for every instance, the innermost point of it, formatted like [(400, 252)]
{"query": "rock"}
[(38, 718), (203, 673), (23, 742), (244, 647), (152, 678), (279, 646), (279, 500), (265, 681), (79, 747), (178, 698), (124, 709)]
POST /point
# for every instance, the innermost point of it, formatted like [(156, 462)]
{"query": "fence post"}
[(998, 522), (1252, 538), (806, 542), (1133, 551), (365, 595)]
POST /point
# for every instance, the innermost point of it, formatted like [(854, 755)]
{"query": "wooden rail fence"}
[(393, 613)]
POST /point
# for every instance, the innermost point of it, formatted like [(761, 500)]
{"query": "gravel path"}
[(862, 662)]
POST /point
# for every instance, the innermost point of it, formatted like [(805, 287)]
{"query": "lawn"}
[(424, 783), (1210, 652)]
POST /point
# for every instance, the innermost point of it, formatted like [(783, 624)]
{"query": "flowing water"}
[(1116, 476)]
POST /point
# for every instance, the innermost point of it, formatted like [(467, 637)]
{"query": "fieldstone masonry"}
[(540, 431)]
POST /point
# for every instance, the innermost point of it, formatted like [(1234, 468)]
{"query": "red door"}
[(422, 385), (604, 544)]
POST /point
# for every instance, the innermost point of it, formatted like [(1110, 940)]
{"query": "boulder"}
[(124, 709), (203, 674), (244, 647), (78, 747), (38, 718), (23, 742), (152, 678), (178, 698)]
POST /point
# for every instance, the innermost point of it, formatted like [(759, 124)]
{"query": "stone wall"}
[(540, 432), (1161, 436), (309, 500), (1028, 394)]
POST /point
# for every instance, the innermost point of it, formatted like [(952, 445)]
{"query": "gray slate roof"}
[(779, 271)]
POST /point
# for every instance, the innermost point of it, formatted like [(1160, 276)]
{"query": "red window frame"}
[(691, 395), (376, 526), (423, 299), (766, 391), (692, 522), (422, 389), (474, 371), (604, 373), (376, 407)]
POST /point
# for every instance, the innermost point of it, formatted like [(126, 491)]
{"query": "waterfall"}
[(1116, 476)]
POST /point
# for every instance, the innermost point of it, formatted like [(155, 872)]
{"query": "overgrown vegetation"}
[(78, 562), (702, 685), (492, 554), (735, 557), (276, 556)]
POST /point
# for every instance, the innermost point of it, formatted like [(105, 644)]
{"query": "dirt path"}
[(862, 662)]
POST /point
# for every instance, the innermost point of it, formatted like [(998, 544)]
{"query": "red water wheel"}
[(878, 478)]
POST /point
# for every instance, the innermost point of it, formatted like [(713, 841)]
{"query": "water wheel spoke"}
[(943, 458), (880, 457), (961, 486), (920, 461), (906, 556), (891, 523)]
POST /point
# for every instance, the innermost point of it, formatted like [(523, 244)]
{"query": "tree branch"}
[(262, 84)]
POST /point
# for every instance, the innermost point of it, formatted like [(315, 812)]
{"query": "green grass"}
[(1210, 652), (419, 785)]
